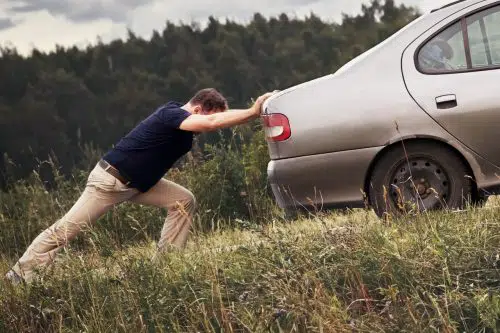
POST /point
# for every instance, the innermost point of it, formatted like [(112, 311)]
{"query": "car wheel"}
[(416, 177), (480, 200)]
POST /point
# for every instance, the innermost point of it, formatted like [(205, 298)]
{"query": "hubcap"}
[(420, 181)]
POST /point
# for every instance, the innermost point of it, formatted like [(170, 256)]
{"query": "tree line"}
[(68, 102)]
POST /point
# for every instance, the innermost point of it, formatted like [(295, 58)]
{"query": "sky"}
[(43, 24)]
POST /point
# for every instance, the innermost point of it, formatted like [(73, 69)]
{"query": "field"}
[(338, 272), (246, 268)]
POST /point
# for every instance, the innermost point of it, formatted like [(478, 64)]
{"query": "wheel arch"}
[(415, 139)]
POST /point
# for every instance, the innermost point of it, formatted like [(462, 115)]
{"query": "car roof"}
[(456, 3), (447, 5)]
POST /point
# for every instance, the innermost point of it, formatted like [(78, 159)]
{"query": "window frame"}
[(465, 33)]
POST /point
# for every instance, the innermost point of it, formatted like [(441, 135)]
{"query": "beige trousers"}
[(103, 192)]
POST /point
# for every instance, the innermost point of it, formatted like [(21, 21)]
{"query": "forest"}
[(72, 104)]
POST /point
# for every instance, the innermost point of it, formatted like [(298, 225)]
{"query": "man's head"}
[(207, 101)]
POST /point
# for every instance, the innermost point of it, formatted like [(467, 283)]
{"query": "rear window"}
[(445, 52), (469, 44)]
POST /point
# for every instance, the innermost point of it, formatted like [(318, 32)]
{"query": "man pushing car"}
[(133, 171)]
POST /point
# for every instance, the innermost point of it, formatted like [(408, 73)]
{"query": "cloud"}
[(54, 20), (6, 23), (153, 16), (79, 11), (124, 11)]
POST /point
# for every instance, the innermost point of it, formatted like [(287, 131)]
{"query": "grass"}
[(329, 273)]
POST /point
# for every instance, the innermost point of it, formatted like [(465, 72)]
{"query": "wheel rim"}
[(419, 181)]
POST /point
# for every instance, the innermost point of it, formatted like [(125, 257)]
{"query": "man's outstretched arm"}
[(207, 123)]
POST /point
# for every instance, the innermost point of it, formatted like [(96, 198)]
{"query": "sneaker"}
[(14, 278)]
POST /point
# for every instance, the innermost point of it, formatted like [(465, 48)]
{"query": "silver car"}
[(410, 125)]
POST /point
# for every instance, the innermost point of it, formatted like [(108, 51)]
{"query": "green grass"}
[(329, 273)]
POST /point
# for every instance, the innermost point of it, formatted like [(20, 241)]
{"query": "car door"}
[(453, 72)]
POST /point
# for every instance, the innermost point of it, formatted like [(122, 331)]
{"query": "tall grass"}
[(246, 269), (331, 273)]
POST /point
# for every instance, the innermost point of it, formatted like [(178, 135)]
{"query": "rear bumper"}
[(333, 180)]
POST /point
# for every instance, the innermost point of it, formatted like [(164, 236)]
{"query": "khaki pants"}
[(103, 191)]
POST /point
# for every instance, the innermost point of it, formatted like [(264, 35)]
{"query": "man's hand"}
[(257, 106)]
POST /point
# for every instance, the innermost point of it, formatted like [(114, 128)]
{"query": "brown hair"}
[(209, 99)]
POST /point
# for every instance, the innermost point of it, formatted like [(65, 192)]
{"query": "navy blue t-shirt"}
[(150, 149)]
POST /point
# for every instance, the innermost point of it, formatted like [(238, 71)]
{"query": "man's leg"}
[(180, 204), (102, 192)]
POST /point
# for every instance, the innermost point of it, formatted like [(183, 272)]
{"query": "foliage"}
[(56, 104)]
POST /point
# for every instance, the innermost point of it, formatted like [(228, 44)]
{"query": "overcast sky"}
[(44, 23)]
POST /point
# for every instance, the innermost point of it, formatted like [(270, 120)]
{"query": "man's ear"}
[(197, 109)]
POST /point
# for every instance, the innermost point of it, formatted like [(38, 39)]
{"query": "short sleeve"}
[(173, 117)]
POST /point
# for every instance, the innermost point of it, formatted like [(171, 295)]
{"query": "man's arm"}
[(207, 123)]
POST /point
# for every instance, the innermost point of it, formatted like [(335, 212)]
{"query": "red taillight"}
[(277, 127)]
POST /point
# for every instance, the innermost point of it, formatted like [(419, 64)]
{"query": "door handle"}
[(446, 101)]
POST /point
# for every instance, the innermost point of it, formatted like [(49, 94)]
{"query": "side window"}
[(445, 52), (484, 37), (476, 44)]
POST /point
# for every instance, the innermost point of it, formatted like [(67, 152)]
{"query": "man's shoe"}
[(14, 278)]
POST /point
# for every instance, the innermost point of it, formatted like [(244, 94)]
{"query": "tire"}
[(419, 176), (480, 200)]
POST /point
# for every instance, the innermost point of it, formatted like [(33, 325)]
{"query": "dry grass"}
[(332, 273), (346, 272)]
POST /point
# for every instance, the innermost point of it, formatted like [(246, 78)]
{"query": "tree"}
[(61, 101)]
